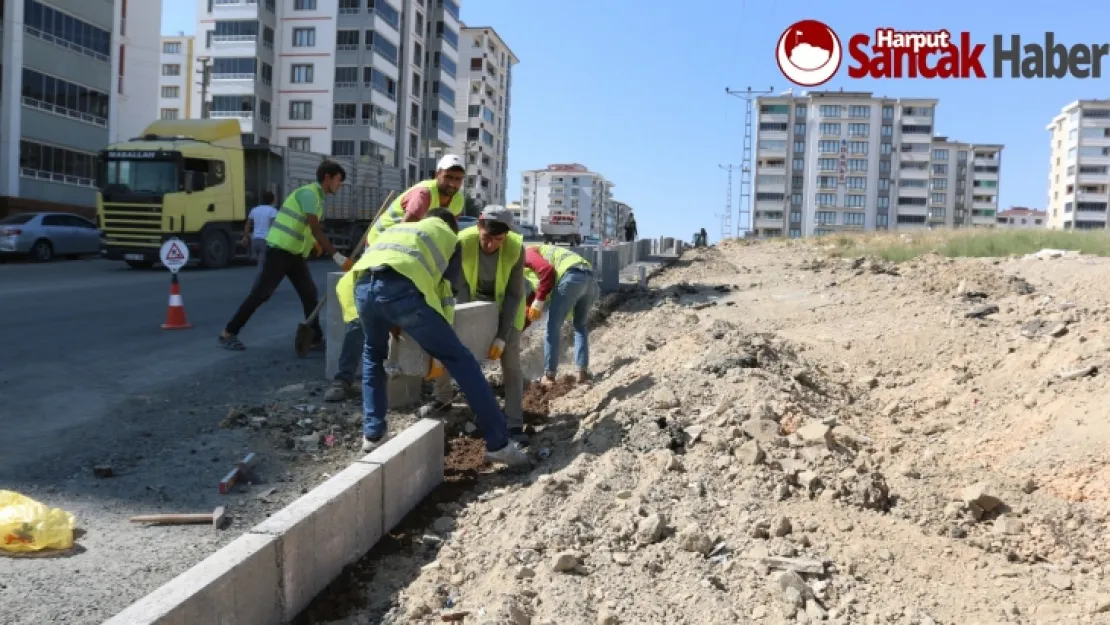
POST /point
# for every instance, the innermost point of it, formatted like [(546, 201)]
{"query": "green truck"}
[(194, 180)]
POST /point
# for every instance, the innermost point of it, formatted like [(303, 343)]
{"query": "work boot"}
[(520, 437), (340, 390), (583, 377), (511, 455)]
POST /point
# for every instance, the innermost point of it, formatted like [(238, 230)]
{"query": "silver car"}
[(43, 236)]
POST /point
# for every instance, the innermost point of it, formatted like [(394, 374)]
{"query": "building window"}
[(304, 5), (171, 92), (853, 219), (859, 130), (62, 97), (859, 111), (63, 29), (46, 162), (171, 69), (830, 129), (300, 143), (856, 182), (826, 218), (305, 37), (939, 198), (825, 199), (171, 47), (300, 110), (347, 40), (301, 73), (170, 113), (343, 148), (940, 155), (830, 110), (385, 11), (855, 201)]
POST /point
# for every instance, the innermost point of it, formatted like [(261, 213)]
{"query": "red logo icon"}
[(809, 53)]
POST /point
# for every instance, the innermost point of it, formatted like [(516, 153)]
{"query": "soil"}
[(538, 398)]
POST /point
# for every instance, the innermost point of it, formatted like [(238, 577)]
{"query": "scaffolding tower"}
[(745, 208), (726, 218)]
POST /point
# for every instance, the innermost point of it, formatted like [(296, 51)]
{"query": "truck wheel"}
[(139, 264), (42, 251), (215, 250)]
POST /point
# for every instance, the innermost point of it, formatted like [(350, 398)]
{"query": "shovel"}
[(305, 335)]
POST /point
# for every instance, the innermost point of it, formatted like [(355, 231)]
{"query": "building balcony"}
[(236, 9), (762, 222), (991, 206), (778, 118), (1081, 196)]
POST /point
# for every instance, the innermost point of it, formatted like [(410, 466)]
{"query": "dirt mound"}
[(538, 398)]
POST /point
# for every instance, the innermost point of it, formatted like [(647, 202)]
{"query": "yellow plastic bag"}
[(27, 525)]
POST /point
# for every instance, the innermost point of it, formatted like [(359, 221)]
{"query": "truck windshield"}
[(141, 177)]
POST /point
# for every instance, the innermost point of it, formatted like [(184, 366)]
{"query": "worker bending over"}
[(293, 235), (442, 191), (493, 271), (575, 293), (399, 285)]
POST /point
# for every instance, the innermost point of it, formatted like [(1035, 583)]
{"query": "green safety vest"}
[(419, 251), (507, 257), (396, 213), (532, 279), (290, 231), (562, 259)]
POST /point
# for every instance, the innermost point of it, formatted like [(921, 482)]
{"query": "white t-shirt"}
[(262, 216)]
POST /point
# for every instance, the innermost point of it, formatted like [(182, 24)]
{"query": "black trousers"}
[(277, 265)]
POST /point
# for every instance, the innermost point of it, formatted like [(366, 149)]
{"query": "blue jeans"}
[(576, 293), (389, 299), (350, 356)]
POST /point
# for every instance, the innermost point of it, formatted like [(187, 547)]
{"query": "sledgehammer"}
[(216, 518)]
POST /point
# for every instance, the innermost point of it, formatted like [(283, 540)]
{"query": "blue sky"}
[(635, 90)]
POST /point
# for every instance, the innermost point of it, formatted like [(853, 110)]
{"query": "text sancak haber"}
[(900, 54)]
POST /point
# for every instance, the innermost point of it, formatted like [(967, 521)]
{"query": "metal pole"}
[(726, 218), (205, 72), (745, 207)]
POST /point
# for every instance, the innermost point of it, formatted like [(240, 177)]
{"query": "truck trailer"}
[(196, 181)]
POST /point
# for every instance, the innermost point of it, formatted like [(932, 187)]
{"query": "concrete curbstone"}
[(330, 527), (411, 465), (237, 585)]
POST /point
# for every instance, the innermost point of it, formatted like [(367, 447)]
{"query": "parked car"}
[(42, 236)]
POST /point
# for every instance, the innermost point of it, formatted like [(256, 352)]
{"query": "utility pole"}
[(205, 73), (726, 218), (748, 96)]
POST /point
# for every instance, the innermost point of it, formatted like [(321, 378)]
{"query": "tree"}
[(472, 206)]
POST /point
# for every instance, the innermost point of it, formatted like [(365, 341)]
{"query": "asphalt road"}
[(85, 365)]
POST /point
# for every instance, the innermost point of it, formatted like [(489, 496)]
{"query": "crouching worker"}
[(575, 292), (397, 286), (493, 271)]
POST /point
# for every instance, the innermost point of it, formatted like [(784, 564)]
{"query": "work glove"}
[(340, 260), (535, 311), (496, 349), (435, 369)]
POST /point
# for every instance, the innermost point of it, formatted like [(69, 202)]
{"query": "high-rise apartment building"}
[(176, 77), (1079, 170), (482, 120), (830, 161), (616, 215), (368, 79), (139, 25), (60, 82), (566, 189)]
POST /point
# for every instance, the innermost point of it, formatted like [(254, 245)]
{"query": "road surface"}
[(85, 367)]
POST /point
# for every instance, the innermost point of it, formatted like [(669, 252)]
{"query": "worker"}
[(399, 288), (539, 275), (442, 191), (575, 292), (630, 231), (293, 235), (258, 226), (493, 271)]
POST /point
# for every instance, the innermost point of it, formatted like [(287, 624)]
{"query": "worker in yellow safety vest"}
[(397, 289), (575, 292), (493, 271), (442, 191), (293, 235)]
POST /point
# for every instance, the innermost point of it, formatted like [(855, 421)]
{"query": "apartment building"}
[(1021, 218), (60, 66), (482, 121), (828, 161), (1079, 169), (567, 188), (176, 76), (616, 214), (139, 25), (367, 79)]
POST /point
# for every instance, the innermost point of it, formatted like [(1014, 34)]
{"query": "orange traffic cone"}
[(175, 314)]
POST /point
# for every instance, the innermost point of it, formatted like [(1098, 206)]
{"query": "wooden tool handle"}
[(173, 518)]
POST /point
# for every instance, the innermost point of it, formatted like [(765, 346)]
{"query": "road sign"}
[(174, 254)]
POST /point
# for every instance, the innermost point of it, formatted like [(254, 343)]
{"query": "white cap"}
[(450, 161)]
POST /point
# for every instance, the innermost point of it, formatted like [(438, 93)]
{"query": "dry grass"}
[(902, 246)]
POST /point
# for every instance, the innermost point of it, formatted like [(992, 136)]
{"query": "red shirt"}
[(546, 271)]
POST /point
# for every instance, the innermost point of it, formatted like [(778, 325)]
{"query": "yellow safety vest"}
[(419, 251), (507, 257), (562, 259), (289, 230), (396, 213), (532, 278), (345, 293)]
